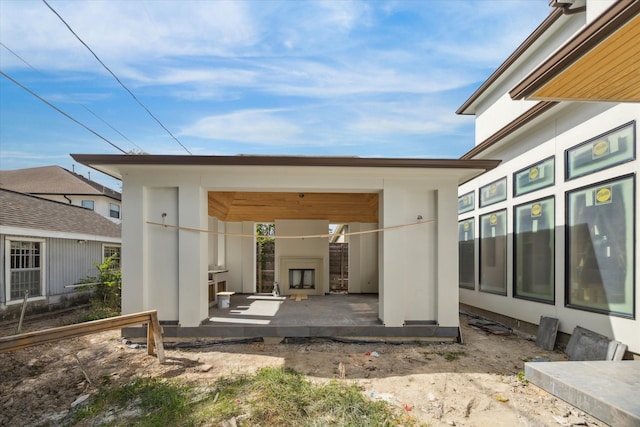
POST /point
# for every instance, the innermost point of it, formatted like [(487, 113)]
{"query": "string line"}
[(308, 236)]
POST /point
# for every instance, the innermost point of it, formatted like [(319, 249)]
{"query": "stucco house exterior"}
[(187, 215), (59, 184), (553, 230), (46, 247)]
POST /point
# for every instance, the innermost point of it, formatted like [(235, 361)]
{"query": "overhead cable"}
[(81, 104), (62, 112), (116, 78)]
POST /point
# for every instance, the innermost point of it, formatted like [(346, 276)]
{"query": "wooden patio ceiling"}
[(599, 64), (234, 206)]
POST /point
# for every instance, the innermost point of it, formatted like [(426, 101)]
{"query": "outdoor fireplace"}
[(302, 278), (301, 275)]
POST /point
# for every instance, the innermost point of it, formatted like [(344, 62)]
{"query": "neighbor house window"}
[(600, 247), (466, 254), (533, 242), (114, 210), (493, 252), (24, 268), (110, 250), (87, 204)]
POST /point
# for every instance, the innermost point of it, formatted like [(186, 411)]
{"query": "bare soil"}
[(477, 383)]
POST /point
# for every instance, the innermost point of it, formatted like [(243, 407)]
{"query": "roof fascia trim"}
[(554, 15), (11, 231), (600, 29), (526, 117), (96, 160)]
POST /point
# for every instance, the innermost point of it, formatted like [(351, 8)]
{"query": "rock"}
[(231, 422), (80, 400), (205, 368)]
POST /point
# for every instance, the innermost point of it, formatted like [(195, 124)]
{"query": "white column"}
[(192, 255), (133, 255), (392, 271), (248, 245), (447, 257)]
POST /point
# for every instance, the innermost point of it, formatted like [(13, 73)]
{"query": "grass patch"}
[(270, 397)]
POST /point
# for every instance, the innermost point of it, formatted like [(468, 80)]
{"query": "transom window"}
[(88, 204)]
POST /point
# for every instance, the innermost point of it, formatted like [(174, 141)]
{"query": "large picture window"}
[(601, 152), (24, 268), (533, 243), (493, 252), (466, 254), (600, 250)]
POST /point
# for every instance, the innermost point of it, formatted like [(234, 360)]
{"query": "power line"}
[(62, 112), (81, 104), (116, 77)]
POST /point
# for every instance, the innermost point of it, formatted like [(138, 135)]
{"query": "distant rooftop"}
[(53, 180), (27, 211)]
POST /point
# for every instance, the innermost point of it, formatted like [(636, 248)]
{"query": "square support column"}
[(193, 257)]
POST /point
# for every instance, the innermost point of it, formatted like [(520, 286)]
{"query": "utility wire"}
[(62, 112), (116, 77), (84, 106)]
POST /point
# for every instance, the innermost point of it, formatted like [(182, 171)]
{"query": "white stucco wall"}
[(569, 126)]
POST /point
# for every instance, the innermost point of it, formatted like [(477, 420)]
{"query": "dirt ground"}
[(471, 384)]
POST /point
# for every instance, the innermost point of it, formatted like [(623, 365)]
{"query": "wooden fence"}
[(150, 318)]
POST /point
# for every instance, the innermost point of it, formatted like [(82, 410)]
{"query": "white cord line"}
[(309, 236)]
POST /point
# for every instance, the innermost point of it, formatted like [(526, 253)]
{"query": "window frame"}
[(500, 197), (473, 240), (106, 246), (567, 258), (506, 253), (528, 170), (569, 151), (8, 269), (515, 252), (111, 211), (86, 202), (469, 206)]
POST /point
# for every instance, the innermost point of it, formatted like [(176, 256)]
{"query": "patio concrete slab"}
[(353, 316), (607, 390)]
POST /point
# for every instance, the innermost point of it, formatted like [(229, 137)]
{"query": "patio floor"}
[(334, 315)]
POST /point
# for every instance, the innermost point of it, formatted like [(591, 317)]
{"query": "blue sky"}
[(349, 78)]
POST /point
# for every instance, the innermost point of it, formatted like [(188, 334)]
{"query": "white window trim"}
[(7, 268)]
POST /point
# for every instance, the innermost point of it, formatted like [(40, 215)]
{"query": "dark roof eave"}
[(96, 160), (511, 127), (554, 15), (602, 27)]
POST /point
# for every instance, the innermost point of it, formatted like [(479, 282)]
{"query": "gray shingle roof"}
[(52, 180), (27, 211)]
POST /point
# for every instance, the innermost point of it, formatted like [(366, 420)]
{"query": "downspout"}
[(65, 196)]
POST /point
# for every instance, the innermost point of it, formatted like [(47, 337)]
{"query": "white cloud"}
[(255, 126)]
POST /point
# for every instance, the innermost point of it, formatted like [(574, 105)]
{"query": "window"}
[(109, 250), (466, 254), (114, 210), (466, 202), (600, 248), (494, 192), (493, 252), (24, 268), (534, 243), (87, 204), (534, 177), (603, 151)]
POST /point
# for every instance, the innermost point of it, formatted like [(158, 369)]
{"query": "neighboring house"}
[(187, 213), (47, 246), (553, 231), (59, 184)]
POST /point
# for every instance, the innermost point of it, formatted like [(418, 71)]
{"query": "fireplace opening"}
[(302, 278)]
